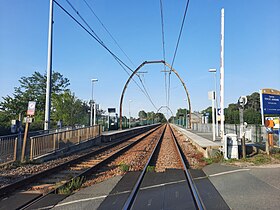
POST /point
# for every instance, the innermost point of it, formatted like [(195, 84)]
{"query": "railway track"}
[(165, 176), (27, 193), (157, 177), (171, 144)]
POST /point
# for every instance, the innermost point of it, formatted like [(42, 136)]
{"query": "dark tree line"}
[(65, 106), (252, 112), (152, 116)]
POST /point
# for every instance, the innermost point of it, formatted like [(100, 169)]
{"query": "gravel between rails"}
[(194, 157), (136, 158), (168, 156), (9, 176)]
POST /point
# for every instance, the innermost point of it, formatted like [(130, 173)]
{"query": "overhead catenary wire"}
[(110, 34), (115, 41), (163, 48), (92, 34), (71, 5), (176, 48)]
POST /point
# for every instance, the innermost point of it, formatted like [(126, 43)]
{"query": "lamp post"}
[(216, 99), (129, 113), (92, 122)]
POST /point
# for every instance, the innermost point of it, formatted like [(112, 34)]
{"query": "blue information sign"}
[(271, 104)]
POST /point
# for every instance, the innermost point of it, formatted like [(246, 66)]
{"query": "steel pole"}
[(216, 100), (91, 104), (94, 113), (261, 103), (49, 70), (129, 126), (222, 79), (213, 115), (108, 121)]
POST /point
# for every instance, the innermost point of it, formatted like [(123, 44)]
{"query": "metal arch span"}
[(137, 69), (167, 108)]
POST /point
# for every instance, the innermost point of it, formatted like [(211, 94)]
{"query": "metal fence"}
[(253, 133), (43, 144), (8, 149)]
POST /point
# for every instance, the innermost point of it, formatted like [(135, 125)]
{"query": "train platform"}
[(202, 141)]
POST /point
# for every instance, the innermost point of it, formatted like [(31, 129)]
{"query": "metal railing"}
[(253, 133), (8, 149), (47, 143)]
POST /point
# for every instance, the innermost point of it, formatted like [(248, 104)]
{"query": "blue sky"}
[(252, 48)]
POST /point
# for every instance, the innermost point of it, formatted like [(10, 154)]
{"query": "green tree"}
[(4, 124), (252, 116), (69, 109), (160, 118), (142, 114), (151, 116), (252, 113), (232, 114), (181, 113), (32, 88)]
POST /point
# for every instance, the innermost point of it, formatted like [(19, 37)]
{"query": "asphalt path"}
[(247, 188)]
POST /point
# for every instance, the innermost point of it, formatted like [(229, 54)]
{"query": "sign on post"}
[(211, 95), (31, 108), (270, 102)]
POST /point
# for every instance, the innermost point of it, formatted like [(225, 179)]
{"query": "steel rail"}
[(4, 191), (194, 191), (136, 187), (196, 197), (89, 171)]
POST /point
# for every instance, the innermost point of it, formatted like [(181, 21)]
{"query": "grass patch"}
[(276, 156), (124, 167), (71, 186), (150, 169), (208, 160), (217, 157), (259, 159)]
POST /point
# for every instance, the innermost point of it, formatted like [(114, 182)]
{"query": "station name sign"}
[(270, 101)]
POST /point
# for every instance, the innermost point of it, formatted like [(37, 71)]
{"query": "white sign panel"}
[(31, 108)]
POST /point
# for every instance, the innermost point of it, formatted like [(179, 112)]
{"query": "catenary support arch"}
[(168, 109), (154, 62), (165, 107)]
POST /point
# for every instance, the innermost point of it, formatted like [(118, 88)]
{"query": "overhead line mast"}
[(222, 74), (49, 71)]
